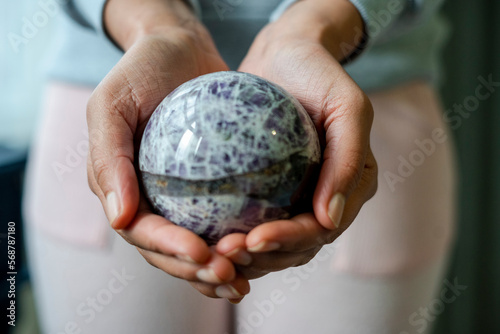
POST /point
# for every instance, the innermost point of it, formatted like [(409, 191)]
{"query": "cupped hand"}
[(307, 65), (117, 114)]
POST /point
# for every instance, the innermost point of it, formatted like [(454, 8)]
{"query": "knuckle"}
[(353, 172), (360, 101), (373, 186), (111, 101), (371, 172), (91, 105), (90, 177), (100, 168)]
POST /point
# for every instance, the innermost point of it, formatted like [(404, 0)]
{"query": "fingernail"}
[(264, 246), (336, 209), (208, 275), (227, 291), (113, 207), (235, 301), (239, 256)]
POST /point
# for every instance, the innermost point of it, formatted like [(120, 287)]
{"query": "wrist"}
[(335, 24), (128, 21)]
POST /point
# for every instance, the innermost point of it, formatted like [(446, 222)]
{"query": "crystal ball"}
[(227, 151)]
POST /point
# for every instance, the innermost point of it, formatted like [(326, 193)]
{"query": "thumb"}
[(347, 132), (110, 167)]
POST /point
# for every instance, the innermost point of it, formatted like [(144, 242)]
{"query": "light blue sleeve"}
[(89, 13), (281, 9), (380, 16)]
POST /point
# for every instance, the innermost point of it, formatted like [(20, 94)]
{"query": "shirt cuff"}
[(92, 11), (195, 4), (378, 16)]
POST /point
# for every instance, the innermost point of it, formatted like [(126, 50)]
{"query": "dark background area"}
[(473, 51)]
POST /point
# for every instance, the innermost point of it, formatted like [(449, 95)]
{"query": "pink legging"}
[(376, 278)]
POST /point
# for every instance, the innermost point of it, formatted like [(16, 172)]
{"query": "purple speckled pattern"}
[(227, 151)]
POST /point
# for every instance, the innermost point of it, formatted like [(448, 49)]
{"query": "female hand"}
[(301, 53), (170, 48)]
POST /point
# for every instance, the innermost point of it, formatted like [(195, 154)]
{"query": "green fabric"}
[(474, 50)]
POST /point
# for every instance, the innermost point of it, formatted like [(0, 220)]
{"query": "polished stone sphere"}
[(227, 151)]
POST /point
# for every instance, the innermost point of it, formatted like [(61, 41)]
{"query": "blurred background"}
[(21, 64), (473, 52)]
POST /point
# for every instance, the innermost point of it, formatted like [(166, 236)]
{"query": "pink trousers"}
[(376, 278)]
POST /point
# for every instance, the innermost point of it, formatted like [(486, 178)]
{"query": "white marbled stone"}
[(227, 151)]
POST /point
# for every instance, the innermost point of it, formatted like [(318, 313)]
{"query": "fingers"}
[(367, 187), (217, 271), (154, 233), (276, 245), (234, 291), (233, 246), (265, 263), (347, 122), (296, 242), (300, 233), (111, 171)]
